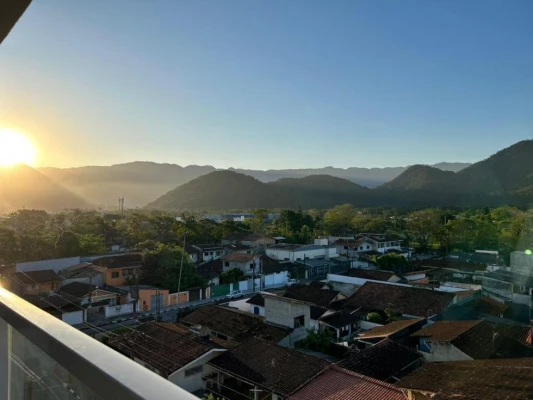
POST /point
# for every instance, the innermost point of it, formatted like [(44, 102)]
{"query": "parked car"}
[(236, 294), (291, 282)]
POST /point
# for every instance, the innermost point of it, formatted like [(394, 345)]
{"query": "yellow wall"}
[(145, 298)]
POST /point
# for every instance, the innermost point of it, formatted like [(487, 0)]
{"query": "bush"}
[(374, 317)]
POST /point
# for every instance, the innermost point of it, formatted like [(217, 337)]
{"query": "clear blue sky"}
[(269, 83)]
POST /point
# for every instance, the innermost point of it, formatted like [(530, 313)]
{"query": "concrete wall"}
[(97, 280), (283, 312), (74, 318), (444, 352), (114, 311), (194, 382), (521, 299), (276, 278), (56, 264), (522, 263)]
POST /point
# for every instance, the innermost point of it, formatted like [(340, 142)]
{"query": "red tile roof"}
[(389, 329), (31, 277), (276, 368), (340, 384), (370, 274), (373, 296), (474, 380), (238, 257), (445, 331)]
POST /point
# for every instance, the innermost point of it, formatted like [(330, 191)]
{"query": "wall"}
[(240, 305), (521, 299), (277, 278), (74, 318), (194, 382), (121, 280), (55, 264), (522, 263), (173, 298), (444, 352), (113, 311), (145, 298), (282, 312), (38, 288)]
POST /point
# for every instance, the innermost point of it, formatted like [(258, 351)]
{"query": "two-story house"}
[(37, 282), (248, 263), (119, 270)]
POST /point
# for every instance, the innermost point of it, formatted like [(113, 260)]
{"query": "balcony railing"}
[(41, 357)]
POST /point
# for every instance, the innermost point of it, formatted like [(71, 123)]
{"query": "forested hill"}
[(505, 177)]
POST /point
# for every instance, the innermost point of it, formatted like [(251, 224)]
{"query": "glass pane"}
[(35, 375)]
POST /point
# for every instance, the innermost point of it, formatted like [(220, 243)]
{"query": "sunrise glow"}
[(15, 148)]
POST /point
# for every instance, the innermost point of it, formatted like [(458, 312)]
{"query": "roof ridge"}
[(366, 378)]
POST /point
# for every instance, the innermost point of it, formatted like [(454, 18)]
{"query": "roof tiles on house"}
[(131, 260), (373, 296), (279, 369), (235, 324), (370, 274), (389, 329), (311, 294), (31, 277), (238, 257), (161, 345), (385, 360), (474, 380), (340, 384)]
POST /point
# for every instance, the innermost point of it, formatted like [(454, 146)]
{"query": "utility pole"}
[(179, 279)]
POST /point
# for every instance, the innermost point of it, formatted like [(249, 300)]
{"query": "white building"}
[(299, 252)]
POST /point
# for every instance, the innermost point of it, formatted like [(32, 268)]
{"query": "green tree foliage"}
[(392, 262), (374, 317), (317, 340), (233, 275), (339, 219), (68, 244), (161, 268), (91, 244)]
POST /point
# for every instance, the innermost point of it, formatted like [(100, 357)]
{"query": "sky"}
[(268, 84)]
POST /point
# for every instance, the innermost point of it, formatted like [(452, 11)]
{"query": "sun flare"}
[(15, 148)]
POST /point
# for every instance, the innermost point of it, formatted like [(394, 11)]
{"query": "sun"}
[(15, 148)]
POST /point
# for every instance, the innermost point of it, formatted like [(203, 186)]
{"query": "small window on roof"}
[(114, 274), (299, 321)]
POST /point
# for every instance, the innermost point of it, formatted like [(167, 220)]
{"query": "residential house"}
[(290, 313), (342, 324), (352, 247), (231, 324), (384, 276), (36, 282), (262, 369), (508, 286), (379, 242), (211, 271), (257, 304), (319, 296), (248, 239), (107, 301), (65, 307), (210, 251), (400, 299), (237, 248), (455, 341), (338, 383), (194, 252), (472, 380), (300, 252), (396, 330), (387, 361), (120, 270), (148, 297), (316, 313), (247, 263), (169, 350)]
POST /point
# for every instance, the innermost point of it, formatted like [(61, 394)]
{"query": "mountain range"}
[(505, 177), (142, 182)]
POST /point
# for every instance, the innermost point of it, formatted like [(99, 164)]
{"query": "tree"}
[(67, 244), (392, 262), (233, 275), (91, 243), (317, 340), (423, 225), (374, 317), (339, 218), (161, 268)]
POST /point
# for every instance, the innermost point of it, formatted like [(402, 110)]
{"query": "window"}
[(256, 310), (206, 253), (361, 247), (367, 247), (54, 286), (345, 247), (193, 371), (251, 266), (114, 275), (299, 321), (226, 263)]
